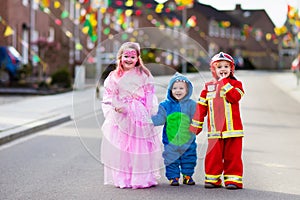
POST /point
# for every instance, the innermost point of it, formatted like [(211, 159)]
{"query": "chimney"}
[(238, 7)]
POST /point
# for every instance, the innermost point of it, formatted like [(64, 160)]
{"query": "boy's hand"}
[(222, 77)]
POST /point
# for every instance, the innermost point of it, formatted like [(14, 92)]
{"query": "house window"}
[(222, 32), (258, 35), (213, 30), (136, 23), (228, 32), (25, 39), (236, 33), (116, 46), (51, 34), (213, 48)]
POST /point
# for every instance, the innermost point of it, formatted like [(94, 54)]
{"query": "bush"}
[(61, 78)]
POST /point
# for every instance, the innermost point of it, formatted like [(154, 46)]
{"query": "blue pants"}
[(180, 159)]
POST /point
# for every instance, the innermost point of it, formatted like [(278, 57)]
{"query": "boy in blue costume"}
[(176, 113)]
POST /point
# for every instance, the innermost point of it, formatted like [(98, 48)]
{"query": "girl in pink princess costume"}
[(131, 147)]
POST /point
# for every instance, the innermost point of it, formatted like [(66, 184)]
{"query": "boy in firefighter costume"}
[(219, 100), (176, 113)]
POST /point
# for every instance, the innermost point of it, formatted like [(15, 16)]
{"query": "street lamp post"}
[(184, 64), (98, 49), (31, 28), (99, 4)]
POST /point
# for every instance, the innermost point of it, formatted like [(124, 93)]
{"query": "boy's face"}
[(222, 69), (179, 90)]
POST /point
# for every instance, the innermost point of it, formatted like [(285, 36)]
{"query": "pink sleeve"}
[(108, 94)]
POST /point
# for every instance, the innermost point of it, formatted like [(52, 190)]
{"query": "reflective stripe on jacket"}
[(219, 101)]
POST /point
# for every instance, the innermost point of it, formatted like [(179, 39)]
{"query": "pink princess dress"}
[(131, 147)]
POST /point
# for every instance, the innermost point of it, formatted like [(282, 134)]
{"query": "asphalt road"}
[(63, 162)]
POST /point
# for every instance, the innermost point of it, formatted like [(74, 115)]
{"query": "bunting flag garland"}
[(106, 19), (138, 12), (168, 22), (106, 31), (64, 14), (280, 30), (159, 8), (288, 41), (185, 3), (36, 58), (8, 31), (224, 24), (78, 46), (88, 28), (191, 22), (58, 22), (292, 12), (129, 3), (139, 4), (128, 12), (85, 29), (45, 3), (119, 16), (268, 36), (56, 4), (176, 22)]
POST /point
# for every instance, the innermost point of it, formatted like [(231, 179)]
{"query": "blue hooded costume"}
[(179, 154)]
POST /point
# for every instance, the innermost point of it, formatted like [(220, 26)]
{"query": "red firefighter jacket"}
[(219, 100)]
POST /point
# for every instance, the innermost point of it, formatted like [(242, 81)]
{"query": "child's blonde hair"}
[(139, 64)]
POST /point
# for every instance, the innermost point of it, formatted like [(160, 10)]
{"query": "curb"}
[(32, 91), (10, 135)]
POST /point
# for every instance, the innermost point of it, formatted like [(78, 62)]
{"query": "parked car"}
[(10, 64), (243, 63)]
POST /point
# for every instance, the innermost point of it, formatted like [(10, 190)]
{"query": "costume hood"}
[(179, 77)]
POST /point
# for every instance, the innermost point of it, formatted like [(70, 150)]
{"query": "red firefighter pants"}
[(224, 156)]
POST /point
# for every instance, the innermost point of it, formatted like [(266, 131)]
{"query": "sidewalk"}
[(31, 115), (287, 82)]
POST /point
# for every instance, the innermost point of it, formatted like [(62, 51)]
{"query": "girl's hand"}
[(120, 110)]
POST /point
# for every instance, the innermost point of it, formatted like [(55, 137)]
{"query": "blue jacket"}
[(176, 115)]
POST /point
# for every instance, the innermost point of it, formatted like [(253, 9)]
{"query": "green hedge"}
[(61, 78)]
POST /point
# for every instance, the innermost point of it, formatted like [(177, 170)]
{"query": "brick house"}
[(36, 34), (54, 38)]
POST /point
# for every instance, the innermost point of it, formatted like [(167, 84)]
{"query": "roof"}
[(213, 13)]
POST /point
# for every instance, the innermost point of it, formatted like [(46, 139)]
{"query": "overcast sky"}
[(276, 9)]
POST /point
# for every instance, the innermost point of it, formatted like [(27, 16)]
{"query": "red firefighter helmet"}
[(221, 57)]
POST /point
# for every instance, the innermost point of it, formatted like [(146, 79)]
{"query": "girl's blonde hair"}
[(139, 64)]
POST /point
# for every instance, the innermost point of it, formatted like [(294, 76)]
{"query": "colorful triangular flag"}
[(8, 31)]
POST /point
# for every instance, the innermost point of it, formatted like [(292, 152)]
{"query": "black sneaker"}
[(174, 182), (188, 180), (210, 185), (232, 187)]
